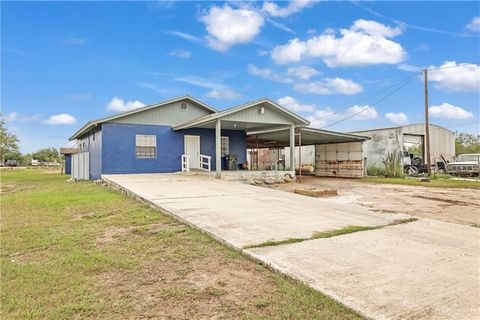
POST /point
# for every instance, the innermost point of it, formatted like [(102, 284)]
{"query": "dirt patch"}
[(210, 286), (89, 214), (111, 233), (31, 257), (449, 201), (316, 193), (446, 204), (6, 188)]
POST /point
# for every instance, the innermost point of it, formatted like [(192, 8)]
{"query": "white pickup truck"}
[(465, 165)]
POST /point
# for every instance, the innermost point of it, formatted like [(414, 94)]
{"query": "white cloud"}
[(322, 118), (119, 105), (184, 35), (227, 27), (474, 25), (75, 41), (362, 112), (365, 43), (63, 118), (448, 111), (408, 67), (293, 6), (452, 78), (224, 94), (302, 72), (330, 86), (12, 116), (398, 118), (217, 90), (292, 104), (268, 74), (180, 53), (280, 26), (375, 29)]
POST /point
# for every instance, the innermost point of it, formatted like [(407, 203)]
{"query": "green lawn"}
[(79, 250), (439, 182)]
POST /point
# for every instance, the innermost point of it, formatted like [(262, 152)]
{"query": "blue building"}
[(181, 134)]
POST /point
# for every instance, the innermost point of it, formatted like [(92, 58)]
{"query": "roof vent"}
[(183, 106)]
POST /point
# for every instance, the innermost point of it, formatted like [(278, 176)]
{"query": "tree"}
[(47, 155), (8, 143), (467, 143)]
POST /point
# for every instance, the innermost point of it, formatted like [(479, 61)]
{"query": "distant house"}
[(185, 134), (67, 153)]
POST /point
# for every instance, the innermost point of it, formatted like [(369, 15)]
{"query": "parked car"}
[(465, 165), (52, 164), (11, 163), (35, 163)]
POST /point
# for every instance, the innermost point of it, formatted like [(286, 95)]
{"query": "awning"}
[(280, 138)]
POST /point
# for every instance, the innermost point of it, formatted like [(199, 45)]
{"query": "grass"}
[(81, 251), (328, 234), (440, 181), (475, 225)]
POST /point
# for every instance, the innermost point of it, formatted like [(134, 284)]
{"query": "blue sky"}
[(65, 63)]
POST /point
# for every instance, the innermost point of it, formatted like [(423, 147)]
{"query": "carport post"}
[(218, 148), (292, 148)]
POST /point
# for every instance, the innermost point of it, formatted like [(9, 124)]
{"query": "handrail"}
[(185, 163), (205, 161)]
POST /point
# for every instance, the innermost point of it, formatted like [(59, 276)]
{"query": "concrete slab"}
[(241, 214), (426, 269)]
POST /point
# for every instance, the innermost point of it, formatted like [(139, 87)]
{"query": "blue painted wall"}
[(68, 164), (118, 147)]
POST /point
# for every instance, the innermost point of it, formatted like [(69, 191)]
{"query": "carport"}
[(336, 154)]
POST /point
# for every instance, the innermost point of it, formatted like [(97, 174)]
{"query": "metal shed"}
[(399, 139)]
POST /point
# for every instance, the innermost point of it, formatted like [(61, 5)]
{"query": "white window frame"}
[(145, 141), (225, 145)]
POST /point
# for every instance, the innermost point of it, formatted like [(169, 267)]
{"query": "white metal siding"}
[(169, 115), (81, 166), (339, 160)]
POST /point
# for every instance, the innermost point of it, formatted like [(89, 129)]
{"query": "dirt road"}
[(447, 204)]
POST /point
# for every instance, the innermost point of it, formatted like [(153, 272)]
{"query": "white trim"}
[(197, 137)]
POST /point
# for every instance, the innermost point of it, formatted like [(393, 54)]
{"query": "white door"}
[(192, 149)]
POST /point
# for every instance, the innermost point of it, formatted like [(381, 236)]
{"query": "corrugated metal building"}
[(398, 139)]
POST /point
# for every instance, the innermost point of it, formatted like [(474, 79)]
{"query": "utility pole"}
[(427, 125)]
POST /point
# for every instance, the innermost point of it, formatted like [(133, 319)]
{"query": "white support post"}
[(292, 148), (218, 148)]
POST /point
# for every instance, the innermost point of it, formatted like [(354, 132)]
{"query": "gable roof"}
[(224, 113), (91, 124)]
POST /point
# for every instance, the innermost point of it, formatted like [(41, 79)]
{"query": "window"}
[(145, 146), (225, 146)]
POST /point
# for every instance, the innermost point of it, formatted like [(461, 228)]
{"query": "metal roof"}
[(396, 127), (91, 124), (224, 113), (310, 136)]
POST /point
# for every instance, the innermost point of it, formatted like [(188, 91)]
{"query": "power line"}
[(369, 106), (400, 85), (455, 66), (367, 98)]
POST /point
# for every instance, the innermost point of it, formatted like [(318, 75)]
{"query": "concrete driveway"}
[(425, 269)]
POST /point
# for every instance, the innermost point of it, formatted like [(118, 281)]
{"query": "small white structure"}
[(399, 139)]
